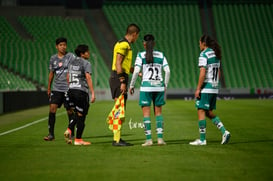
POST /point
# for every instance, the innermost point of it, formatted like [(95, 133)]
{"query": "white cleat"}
[(198, 142), (148, 143), (225, 138), (160, 141)]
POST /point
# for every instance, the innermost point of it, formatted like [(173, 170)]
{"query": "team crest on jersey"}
[(60, 64)]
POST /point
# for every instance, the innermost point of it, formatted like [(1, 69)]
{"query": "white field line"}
[(29, 124)]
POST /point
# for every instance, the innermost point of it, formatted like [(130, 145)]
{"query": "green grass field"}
[(248, 156)]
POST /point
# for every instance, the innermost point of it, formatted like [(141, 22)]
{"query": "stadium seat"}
[(25, 56), (245, 33)]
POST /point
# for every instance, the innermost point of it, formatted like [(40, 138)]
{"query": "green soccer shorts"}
[(145, 98), (206, 101)]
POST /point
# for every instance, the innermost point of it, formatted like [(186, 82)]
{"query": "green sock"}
[(217, 122), (147, 127), (159, 126), (202, 129)]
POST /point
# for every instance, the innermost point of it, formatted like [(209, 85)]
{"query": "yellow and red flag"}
[(117, 115)]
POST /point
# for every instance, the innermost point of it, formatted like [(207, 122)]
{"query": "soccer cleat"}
[(67, 136), (81, 142), (148, 143), (49, 137), (225, 138), (121, 143), (198, 142), (160, 142)]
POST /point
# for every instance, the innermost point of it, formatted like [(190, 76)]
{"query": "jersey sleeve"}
[(138, 61), (87, 67), (123, 48), (165, 62), (202, 61), (51, 67)]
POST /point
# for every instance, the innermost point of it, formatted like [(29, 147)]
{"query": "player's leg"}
[(82, 106), (201, 105), (145, 103), (147, 125), (51, 122), (159, 102), (55, 101), (216, 120), (69, 105)]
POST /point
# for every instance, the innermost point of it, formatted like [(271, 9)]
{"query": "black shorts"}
[(79, 100), (59, 98), (115, 85)]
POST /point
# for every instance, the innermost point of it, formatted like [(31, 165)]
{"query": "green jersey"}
[(208, 60)]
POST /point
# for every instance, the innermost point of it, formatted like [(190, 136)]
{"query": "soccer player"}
[(80, 83), (207, 88), (153, 87), (121, 66), (58, 95)]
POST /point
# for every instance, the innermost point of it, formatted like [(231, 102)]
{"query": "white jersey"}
[(152, 79), (208, 60)]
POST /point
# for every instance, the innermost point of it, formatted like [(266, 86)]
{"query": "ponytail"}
[(213, 44), (149, 39)]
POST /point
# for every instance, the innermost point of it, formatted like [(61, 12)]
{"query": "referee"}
[(121, 67)]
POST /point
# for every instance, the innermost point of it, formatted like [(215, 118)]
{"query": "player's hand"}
[(123, 88), (48, 92), (197, 94), (93, 98), (132, 91)]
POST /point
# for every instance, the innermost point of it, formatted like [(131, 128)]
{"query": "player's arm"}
[(119, 61), (134, 78), (201, 79), (90, 85), (50, 78), (67, 78), (167, 75)]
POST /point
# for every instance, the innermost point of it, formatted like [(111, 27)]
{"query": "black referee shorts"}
[(115, 85)]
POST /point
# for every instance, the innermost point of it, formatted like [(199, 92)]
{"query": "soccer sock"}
[(80, 125), (159, 126), (147, 127), (202, 129), (217, 122), (117, 136), (72, 123), (51, 123)]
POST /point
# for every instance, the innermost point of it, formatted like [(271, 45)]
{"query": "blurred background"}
[(28, 29)]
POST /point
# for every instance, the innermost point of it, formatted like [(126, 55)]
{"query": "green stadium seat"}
[(245, 33), (25, 56)]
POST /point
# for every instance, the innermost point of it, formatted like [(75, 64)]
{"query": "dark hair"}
[(60, 40), (211, 43), (132, 28), (149, 39), (81, 49)]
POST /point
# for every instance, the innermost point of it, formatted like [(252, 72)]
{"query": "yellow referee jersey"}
[(123, 47)]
